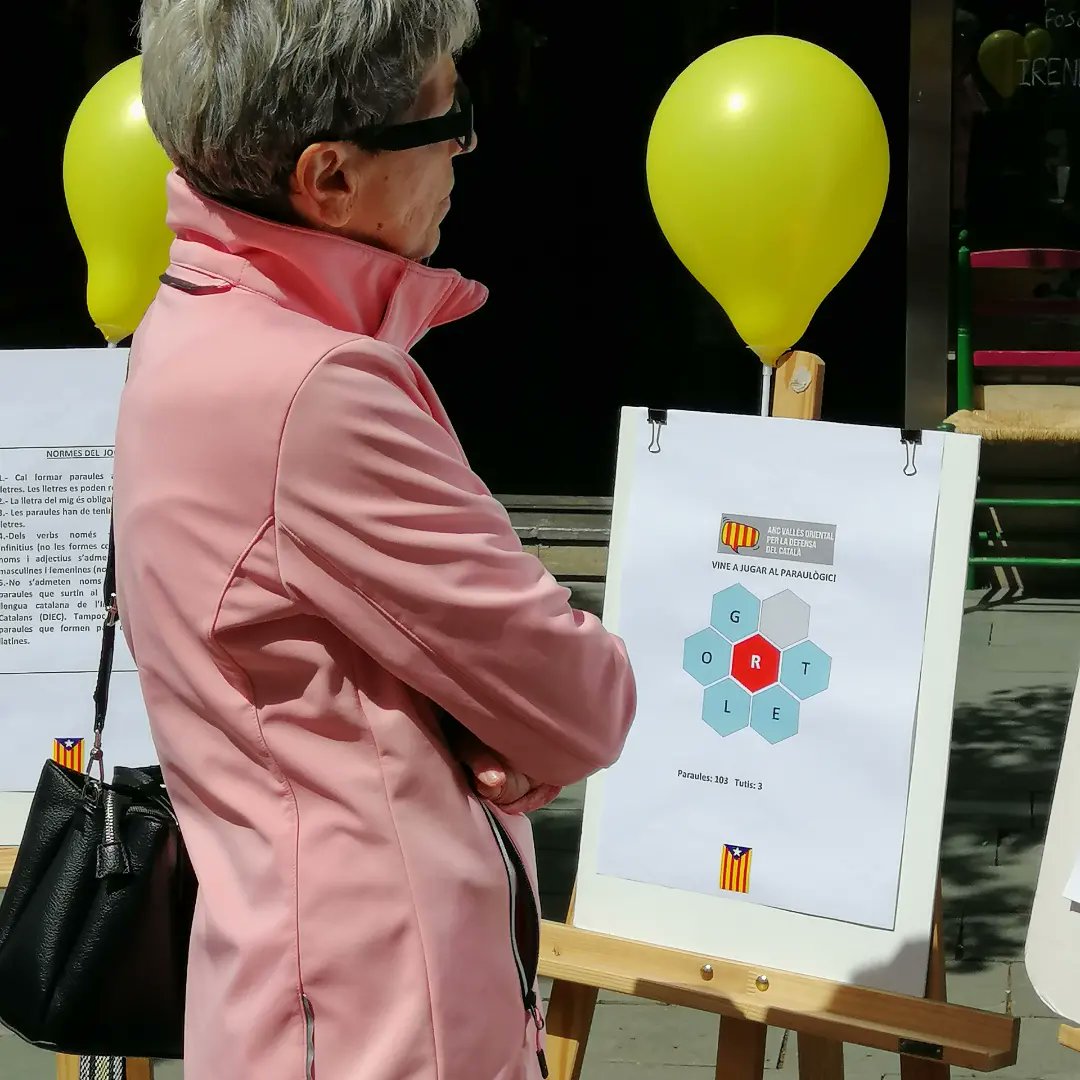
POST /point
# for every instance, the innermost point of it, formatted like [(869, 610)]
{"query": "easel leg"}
[(67, 1068), (569, 1018), (740, 1050), (820, 1059), (914, 1068)]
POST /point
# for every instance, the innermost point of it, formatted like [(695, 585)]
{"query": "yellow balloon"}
[(1038, 42), (114, 181), (768, 165), (1001, 60)]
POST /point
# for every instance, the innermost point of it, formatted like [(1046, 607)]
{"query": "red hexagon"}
[(755, 663)]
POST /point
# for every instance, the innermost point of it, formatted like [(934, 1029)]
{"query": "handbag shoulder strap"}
[(108, 648), (108, 638)]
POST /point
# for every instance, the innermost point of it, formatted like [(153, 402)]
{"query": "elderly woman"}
[(357, 680)]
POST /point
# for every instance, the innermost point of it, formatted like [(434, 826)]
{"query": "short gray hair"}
[(234, 90)]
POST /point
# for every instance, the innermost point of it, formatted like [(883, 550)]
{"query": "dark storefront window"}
[(590, 310), (1016, 184), (1017, 127)]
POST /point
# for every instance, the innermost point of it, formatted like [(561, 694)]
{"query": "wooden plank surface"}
[(568, 534), (1069, 1036), (7, 861), (562, 519)]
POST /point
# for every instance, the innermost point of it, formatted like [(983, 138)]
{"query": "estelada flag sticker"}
[(69, 753), (735, 868)]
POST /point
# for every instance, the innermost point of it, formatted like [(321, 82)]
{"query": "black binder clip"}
[(657, 421), (912, 440)]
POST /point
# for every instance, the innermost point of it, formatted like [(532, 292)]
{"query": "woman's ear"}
[(325, 184)]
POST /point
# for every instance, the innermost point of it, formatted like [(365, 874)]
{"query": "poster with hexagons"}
[(772, 587)]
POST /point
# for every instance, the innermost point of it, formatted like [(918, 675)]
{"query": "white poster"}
[(1072, 886), (773, 598), (57, 422)]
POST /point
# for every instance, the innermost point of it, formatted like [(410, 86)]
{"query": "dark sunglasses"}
[(455, 126)]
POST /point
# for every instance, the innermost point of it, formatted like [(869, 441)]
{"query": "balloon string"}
[(766, 389)]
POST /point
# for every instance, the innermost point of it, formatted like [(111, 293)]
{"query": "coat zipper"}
[(521, 892), (309, 1037)]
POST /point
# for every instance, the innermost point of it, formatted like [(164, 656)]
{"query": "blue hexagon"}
[(774, 715), (707, 657), (727, 707), (735, 612), (804, 669)]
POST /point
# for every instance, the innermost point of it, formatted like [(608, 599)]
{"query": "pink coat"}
[(307, 563)]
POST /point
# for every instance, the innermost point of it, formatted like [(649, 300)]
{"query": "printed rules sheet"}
[(57, 422)]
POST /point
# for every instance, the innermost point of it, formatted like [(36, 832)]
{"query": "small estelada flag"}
[(735, 868), (69, 753)]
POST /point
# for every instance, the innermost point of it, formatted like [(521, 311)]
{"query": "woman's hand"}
[(512, 792)]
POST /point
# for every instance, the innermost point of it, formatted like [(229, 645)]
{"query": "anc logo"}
[(736, 536)]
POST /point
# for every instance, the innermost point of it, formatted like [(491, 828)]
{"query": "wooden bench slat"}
[(1027, 307), (1026, 259), (1026, 358)]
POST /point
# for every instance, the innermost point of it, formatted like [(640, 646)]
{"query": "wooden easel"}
[(67, 1068), (930, 1034)]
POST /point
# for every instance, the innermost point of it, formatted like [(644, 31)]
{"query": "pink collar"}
[(349, 285)]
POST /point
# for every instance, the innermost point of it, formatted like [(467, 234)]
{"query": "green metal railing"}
[(965, 367), (1023, 560), (1029, 503)]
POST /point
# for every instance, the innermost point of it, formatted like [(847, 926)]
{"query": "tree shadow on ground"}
[(1003, 766)]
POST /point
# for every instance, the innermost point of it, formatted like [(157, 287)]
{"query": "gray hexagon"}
[(785, 619)]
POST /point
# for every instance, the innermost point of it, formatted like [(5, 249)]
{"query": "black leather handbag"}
[(96, 921)]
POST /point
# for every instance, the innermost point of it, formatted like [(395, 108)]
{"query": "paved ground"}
[(1018, 668)]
